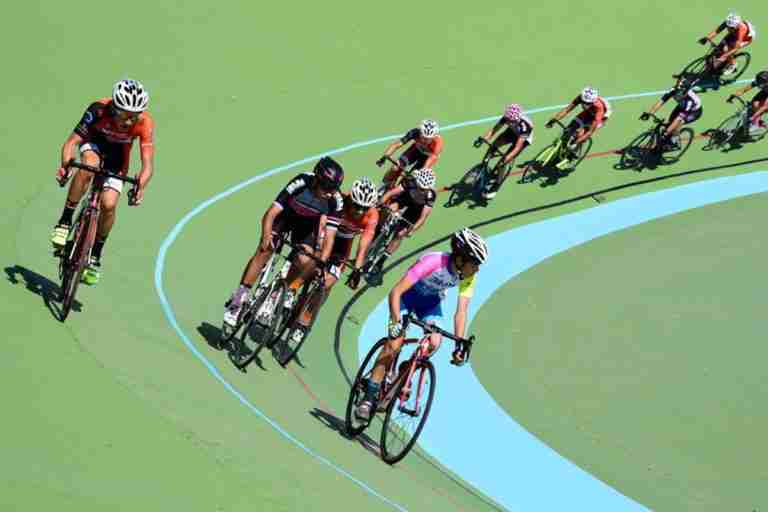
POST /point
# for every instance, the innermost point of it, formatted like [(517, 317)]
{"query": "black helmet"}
[(329, 173), (762, 78)]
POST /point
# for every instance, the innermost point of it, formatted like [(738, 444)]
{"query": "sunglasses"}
[(124, 115)]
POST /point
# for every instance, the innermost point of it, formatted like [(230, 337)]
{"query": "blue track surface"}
[(501, 458)]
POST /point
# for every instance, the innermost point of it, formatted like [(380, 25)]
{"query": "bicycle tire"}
[(388, 429), (287, 356), (633, 156), (686, 139), (278, 290), (356, 392), (466, 184), (742, 63), (83, 242), (695, 70), (534, 167), (581, 153), (725, 133)]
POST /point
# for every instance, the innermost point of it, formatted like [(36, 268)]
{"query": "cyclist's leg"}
[(78, 186)]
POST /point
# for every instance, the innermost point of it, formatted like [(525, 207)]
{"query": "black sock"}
[(66, 216), (98, 246)]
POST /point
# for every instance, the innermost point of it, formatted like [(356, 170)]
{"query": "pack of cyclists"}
[(321, 220)]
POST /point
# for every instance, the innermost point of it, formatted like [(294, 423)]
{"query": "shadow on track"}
[(42, 286)]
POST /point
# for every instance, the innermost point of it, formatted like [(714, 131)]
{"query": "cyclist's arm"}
[(395, 295), (393, 147), (438, 148), (268, 220), (147, 151), (329, 228), (757, 114), (387, 197), (567, 110), (460, 318), (422, 218), (69, 147), (490, 133), (365, 239), (656, 106), (518, 147)]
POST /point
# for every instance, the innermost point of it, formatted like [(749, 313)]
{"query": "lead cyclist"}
[(421, 292)]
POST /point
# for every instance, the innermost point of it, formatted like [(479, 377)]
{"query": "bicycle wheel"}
[(291, 348), (465, 186), (268, 303), (352, 425), (633, 156), (695, 70), (405, 419), (75, 264), (724, 134), (686, 138), (742, 61), (532, 170), (581, 152)]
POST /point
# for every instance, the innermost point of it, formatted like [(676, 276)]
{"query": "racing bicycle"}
[(475, 180), (651, 148), (702, 70), (734, 129), (561, 155)]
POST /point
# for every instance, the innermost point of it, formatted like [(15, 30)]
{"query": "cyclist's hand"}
[(457, 357), (353, 281), (645, 116), (395, 329), (550, 123), (135, 196), (62, 176), (381, 161), (704, 40), (731, 98), (478, 142)]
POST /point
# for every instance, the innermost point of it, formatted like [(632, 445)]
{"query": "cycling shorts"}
[(427, 308)]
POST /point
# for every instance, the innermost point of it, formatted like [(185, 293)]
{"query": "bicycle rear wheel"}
[(533, 169), (291, 348), (686, 138), (581, 153), (634, 155), (353, 426), (724, 134), (405, 419), (742, 61), (695, 70)]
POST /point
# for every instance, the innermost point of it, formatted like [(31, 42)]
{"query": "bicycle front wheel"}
[(741, 60), (353, 426), (77, 260), (316, 295), (695, 70), (466, 185), (406, 416), (533, 168), (633, 156), (686, 138), (582, 151), (726, 133)]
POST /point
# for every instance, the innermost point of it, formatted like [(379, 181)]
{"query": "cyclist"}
[(594, 114), (423, 153), (307, 202), (415, 198), (104, 138), (688, 110), (740, 34), (516, 131), (421, 292), (358, 217), (759, 104)]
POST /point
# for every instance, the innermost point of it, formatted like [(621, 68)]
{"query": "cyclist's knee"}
[(109, 200), (90, 157), (435, 340)]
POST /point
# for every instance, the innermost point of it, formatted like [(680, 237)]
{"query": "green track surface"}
[(647, 369), (111, 411)]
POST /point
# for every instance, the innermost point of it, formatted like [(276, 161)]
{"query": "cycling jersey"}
[(413, 200), (431, 147), (522, 128), (743, 34), (689, 104), (599, 110), (763, 88), (109, 139), (432, 276), (301, 209)]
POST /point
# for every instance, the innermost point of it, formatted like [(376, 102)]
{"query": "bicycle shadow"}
[(42, 286), (339, 426)]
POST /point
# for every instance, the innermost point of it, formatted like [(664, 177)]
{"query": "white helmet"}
[(130, 95), (469, 244), (364, 192), (589, 95), (733, 20), (424, 178), (429, 128)]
